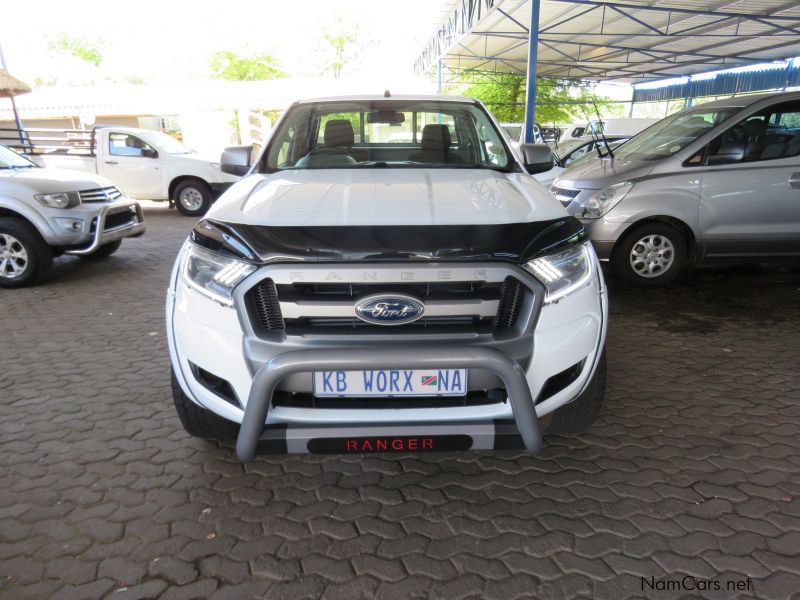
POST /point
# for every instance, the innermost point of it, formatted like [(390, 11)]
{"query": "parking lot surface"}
[(693, 467)]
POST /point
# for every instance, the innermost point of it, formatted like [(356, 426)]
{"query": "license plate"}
[(391, 383)]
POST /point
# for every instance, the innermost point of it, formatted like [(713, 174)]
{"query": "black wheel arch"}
[(12, 214)]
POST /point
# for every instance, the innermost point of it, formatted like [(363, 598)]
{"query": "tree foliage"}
[(342, 47), (557, 100), (227, 64), (79, 47)]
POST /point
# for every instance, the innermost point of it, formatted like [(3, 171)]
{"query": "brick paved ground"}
[(693, 467)]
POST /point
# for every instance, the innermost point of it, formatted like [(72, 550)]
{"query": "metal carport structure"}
[(627, 41)]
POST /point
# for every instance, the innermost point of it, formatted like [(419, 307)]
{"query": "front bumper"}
[(439, 357), (133, 227)]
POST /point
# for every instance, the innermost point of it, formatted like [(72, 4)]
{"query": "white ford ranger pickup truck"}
[(355, 293)]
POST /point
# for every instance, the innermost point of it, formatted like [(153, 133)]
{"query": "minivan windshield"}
[(371, 134), (11, 160), (673, 134)]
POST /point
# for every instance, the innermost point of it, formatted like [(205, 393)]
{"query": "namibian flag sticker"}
[(432, 380)]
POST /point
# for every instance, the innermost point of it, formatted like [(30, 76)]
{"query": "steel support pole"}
[(439, 76), (530, 86)]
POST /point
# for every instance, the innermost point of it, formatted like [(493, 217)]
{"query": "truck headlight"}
[(564, 272), (59, 200), (212, 274), (603, 200)]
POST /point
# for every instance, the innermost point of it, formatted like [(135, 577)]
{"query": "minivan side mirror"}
[(537, 158), (236, 160), (728, 153)]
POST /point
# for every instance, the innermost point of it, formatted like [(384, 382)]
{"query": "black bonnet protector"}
[(511, 242)]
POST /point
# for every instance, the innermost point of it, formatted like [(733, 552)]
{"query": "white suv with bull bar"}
[(387, 277)]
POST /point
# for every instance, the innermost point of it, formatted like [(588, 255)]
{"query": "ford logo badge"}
[(389, 309)]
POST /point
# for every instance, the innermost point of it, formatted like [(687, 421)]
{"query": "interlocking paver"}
[(691, 469)]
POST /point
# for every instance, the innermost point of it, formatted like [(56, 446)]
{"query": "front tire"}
[(25, 258), (193, 197), (104, 251), (650, 255), (198, 421), (579, 415)]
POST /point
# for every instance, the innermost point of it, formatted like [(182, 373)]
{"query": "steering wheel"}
[(328, 150)]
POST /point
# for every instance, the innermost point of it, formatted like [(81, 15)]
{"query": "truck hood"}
[(51, 181), (603, 172), (337, 197)]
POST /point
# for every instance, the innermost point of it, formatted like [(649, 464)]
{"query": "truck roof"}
[(380, 97)]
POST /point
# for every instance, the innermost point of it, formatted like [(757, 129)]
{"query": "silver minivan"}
[(718, 180)]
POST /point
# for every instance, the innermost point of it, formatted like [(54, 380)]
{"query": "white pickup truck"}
[(143, 163)]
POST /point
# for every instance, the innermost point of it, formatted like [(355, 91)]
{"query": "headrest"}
[(754, 128), (338, 132), (435, 137)]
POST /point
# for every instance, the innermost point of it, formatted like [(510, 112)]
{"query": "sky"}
[(172, 40)]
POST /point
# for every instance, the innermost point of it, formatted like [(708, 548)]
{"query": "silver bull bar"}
[(358, 359)]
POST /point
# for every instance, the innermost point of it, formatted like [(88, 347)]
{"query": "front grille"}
[(564, 195), (327, 308), (106, 194), (265, 311), (308, 400)]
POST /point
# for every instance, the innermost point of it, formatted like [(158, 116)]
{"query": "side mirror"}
[(149, 153), (728, 153), (236, 160), (537, 158)]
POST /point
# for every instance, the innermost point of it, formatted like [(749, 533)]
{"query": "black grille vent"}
[(510, 302), (451, 324), (423, 291), (263, 301)]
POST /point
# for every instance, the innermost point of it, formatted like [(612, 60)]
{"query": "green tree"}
[(557, 100), (342, 46), (227, 64), (79, 47)]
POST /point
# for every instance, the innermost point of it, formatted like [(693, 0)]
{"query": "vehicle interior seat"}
[(435, 146), (339, 134), (753, 133), (339, 139)]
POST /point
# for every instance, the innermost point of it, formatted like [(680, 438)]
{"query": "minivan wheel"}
[(649, 255), (25, 258), (193, 197)]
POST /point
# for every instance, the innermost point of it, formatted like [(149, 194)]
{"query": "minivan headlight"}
[(564, 272), (59, 200), (212, 274), (603, 200)]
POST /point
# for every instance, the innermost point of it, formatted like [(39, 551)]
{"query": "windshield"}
[(386, 134), (564, 148), (11, 160), (513, 131), (167, 143), (673, 134)]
